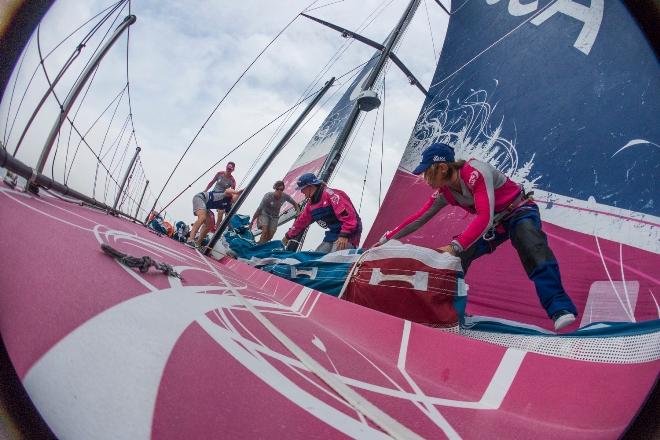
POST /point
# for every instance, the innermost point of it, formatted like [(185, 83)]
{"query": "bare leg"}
[(268, 234), (268, 228), (263, 238), (202, 234), (201, 219)]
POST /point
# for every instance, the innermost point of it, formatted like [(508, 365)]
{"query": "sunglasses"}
[(279, 188)]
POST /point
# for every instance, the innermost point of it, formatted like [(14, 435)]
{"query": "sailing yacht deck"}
[(107, 352)]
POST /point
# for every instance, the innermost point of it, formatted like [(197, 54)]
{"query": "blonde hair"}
[(432, 172)]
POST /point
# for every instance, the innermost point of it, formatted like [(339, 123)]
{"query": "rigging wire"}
[(317, 110), (446, 9), (266, 146), (90, 129), (328, 65), (331, 62), (115, 143), (428, 19), (98, 46), (371, 144), (112, 8), (96, 156), (75, 115), (89, 35), (508, 34), (380, 74), (310, 118), (290, 114), (368, 20), (36, 69), (236, 148), (382, 142), (128, 82), (324, 6), (13, 89), (68, 63), (225, 96), (105, 136), (362, 118), (366, 170), (89, 85), (120, 162)]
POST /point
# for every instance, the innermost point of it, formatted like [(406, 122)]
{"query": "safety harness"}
[(522, 199)]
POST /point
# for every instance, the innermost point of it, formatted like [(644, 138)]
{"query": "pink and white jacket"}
[(333, 211), (484, 191)]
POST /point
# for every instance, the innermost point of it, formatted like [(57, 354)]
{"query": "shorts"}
[(217, 201), (199, 202), (267, 224)]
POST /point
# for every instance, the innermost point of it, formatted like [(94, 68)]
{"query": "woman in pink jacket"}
[(333, 210), (502, 212)]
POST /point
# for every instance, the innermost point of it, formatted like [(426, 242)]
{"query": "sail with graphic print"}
[(581, 132), (559, 95)]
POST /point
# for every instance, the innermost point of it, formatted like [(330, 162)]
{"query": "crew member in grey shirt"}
[(267, 214), (224, 192)]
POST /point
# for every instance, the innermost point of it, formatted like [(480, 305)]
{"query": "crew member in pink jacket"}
[(502, 212), (333, 210)]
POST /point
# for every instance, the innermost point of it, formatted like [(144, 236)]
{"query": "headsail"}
[(562, 97)]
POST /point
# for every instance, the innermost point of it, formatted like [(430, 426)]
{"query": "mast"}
[(267, 162), (340, 143), (329, 166)]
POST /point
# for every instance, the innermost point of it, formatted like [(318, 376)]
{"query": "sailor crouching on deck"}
[(502, 211), (333, 210)]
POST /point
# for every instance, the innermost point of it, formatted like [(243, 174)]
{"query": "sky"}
[(182, 58)]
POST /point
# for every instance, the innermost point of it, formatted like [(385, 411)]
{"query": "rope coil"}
[(142, 263)]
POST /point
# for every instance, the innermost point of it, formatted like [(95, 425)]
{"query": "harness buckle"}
[(490, 234)]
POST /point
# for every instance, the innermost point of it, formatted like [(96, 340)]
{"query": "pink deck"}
[(106, 352)]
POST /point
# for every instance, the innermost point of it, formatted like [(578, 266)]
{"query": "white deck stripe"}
[(358, 402)]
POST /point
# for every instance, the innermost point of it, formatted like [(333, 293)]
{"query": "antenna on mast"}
[(367, 99)]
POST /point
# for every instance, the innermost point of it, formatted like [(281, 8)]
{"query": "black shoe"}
[(562, 319)]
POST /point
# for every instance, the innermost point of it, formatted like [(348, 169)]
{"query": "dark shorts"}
[(216, 200)]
